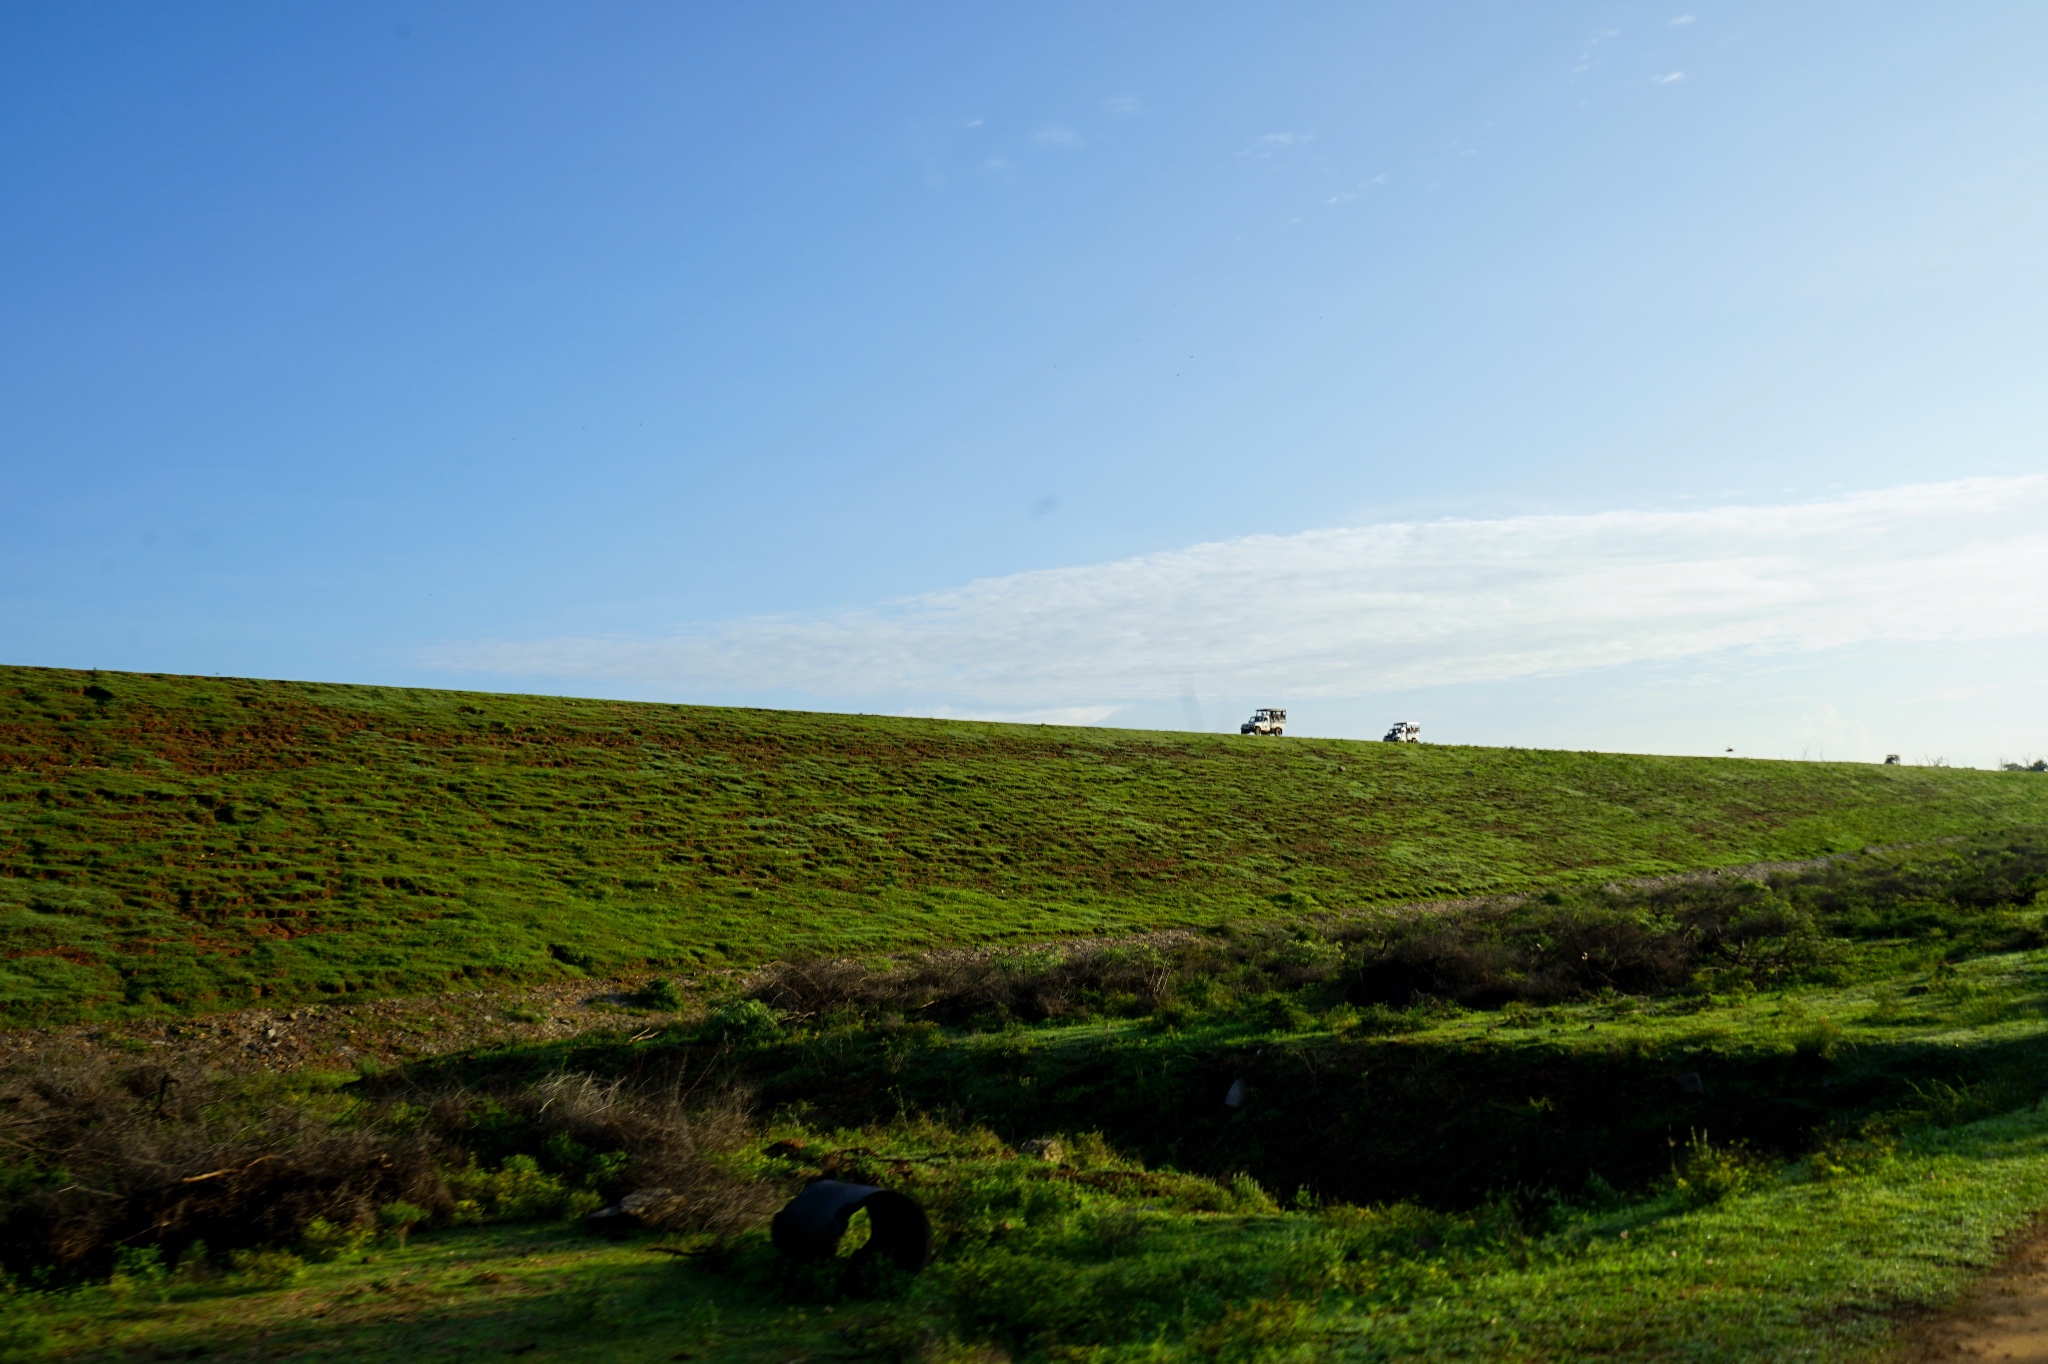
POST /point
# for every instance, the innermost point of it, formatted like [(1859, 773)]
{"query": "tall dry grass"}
[(95, 1157)]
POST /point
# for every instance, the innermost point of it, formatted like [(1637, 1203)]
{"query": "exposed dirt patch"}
[(347, 1036), (2005, 1317)]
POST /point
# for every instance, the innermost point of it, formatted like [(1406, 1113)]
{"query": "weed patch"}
[(107, 1165)]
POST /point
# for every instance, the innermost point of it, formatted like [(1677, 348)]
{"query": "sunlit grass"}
[(174, 844)]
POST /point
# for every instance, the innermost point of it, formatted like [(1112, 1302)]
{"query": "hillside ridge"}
[(178, 844)]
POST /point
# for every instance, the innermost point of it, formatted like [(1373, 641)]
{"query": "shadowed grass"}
[(1806, 1264)]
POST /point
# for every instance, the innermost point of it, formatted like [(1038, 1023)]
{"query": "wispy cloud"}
[(1056, 135), (1348, 195), (1052, 715), (1592, 43), (1681, 20), (1275, 144), (1352, 612), (1123, 104), (1668, 78)]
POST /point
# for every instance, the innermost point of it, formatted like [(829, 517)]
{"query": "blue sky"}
[(1126, 363)]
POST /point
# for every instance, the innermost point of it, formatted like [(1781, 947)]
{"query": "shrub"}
[(199, 1160), (105, 1162), (265, 1267), (1249, 1196), (1277, 1013), (664, 994), (1818, 1040), (139, 1267), (567, 1139), (195, 1264), (399, 1218), (1713, 931), (1708, 1173), (1940, 1103), (984, 988), (323, 1237), (743, 1021), (517, 1191)]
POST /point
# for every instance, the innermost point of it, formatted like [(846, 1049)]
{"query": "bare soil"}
[(348, 1036), (2004, 1318)]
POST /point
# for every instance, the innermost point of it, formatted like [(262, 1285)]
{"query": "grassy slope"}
[(174, 843), (1816, 1259)]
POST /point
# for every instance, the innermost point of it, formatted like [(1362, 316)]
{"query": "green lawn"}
[(176, 844)]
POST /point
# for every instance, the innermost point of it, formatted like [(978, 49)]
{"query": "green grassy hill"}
[(177, 843)]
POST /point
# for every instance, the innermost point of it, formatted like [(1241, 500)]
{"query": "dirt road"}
[(2005, 1318)]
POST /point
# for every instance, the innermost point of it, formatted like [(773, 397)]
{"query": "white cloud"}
[(1353, 612), (1668, 78), (1679, 21), (1057, 135), (1829, 734), (1275, 144), (1350, 194), (1123, 104), (1052, 715), (1586, 58)]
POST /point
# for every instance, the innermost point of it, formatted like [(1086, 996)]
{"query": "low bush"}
[(742, 1022), (1707, 1173), (1717, 932), (1622, 939), (987, 988), (268, 1266), (662, 993), (103, 1159)]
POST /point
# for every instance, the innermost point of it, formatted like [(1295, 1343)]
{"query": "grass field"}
[(1724, 1174), (1799, 1267), (177, 844), (1702, 1118)]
